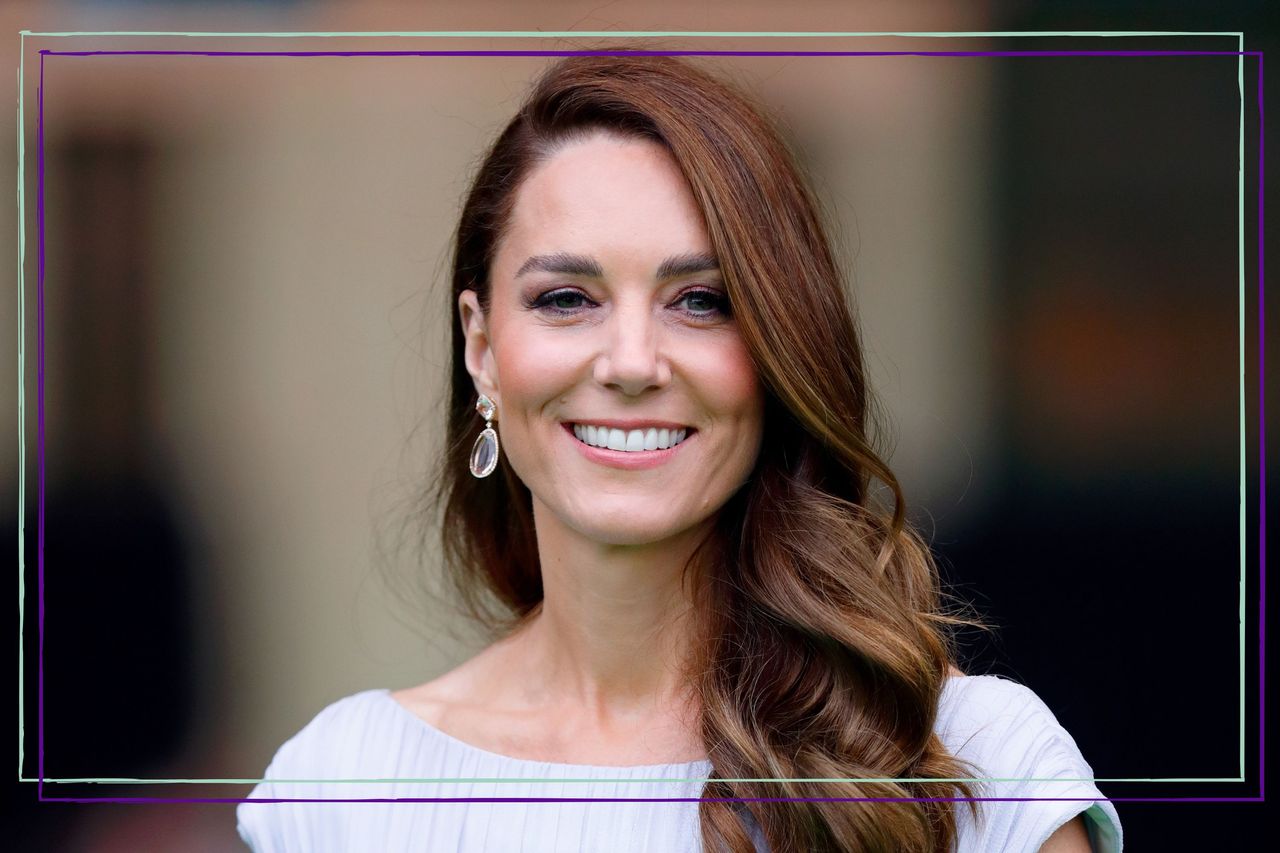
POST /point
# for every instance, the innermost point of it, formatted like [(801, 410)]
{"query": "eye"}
[(704, 302), (559, 301), (701, 303)]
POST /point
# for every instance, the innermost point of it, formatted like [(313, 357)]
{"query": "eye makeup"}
[(552, 302)]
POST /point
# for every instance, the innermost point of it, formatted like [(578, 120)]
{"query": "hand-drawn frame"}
[(45, 54)]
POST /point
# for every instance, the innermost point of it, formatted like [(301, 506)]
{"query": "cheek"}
[(531, 368), (534, 372), (732, 388)]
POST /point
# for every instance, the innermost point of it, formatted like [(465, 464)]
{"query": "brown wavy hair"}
[(823, 641)]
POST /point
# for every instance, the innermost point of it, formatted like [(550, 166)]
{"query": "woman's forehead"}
[(606, 192)]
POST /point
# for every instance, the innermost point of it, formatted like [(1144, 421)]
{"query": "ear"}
[(478, 353)]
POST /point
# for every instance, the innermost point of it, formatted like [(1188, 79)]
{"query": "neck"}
[(615, 626)]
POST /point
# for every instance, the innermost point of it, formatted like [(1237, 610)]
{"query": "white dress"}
[(367, 747)]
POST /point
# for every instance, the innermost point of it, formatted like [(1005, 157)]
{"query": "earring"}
[(484, 454)]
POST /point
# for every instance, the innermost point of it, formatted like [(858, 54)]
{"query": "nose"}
[(632, 358)]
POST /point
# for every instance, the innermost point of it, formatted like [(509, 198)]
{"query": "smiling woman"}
[(699, 600), (606, 311)]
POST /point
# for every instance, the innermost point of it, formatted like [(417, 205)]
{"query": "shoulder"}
[(349, 739), (1006, 729), (1020, 752), (996, 720), (976, 705), (336, 741)]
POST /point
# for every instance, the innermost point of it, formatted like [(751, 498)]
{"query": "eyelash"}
[(719, 300)]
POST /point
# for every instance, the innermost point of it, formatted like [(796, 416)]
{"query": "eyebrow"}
[(583, 265)]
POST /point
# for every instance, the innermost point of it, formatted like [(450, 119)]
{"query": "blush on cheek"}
[(734, 381), (739, 401), (535, 369), (537, 363)]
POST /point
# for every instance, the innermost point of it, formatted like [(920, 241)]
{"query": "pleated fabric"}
[(366, 757)]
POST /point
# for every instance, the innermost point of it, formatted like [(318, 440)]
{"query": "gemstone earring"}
[(484, 454)]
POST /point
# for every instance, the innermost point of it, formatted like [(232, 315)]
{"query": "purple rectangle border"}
[(1262, 460)]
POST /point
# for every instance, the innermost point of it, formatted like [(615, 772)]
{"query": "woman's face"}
[(608, 317)]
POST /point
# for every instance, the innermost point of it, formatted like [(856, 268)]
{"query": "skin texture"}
[(1071, 837), (598, 661)]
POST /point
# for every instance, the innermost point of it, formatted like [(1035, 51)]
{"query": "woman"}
[(670, 505)]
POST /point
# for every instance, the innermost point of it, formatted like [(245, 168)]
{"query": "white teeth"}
[(630, 441)]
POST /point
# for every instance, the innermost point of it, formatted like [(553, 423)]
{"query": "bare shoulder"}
[(483, 704), (425, 700), (467, 704), (443, 696)]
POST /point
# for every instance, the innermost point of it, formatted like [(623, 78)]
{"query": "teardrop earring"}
[(484, 453)]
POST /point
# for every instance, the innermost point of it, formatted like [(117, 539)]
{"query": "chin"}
[(627, 536), (629, 531)]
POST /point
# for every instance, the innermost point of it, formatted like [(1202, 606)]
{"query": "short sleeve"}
[(1034, 768), (277, 827), (257, 825), (302, 768)]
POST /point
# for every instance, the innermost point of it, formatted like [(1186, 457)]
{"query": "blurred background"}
[(245, 327)]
